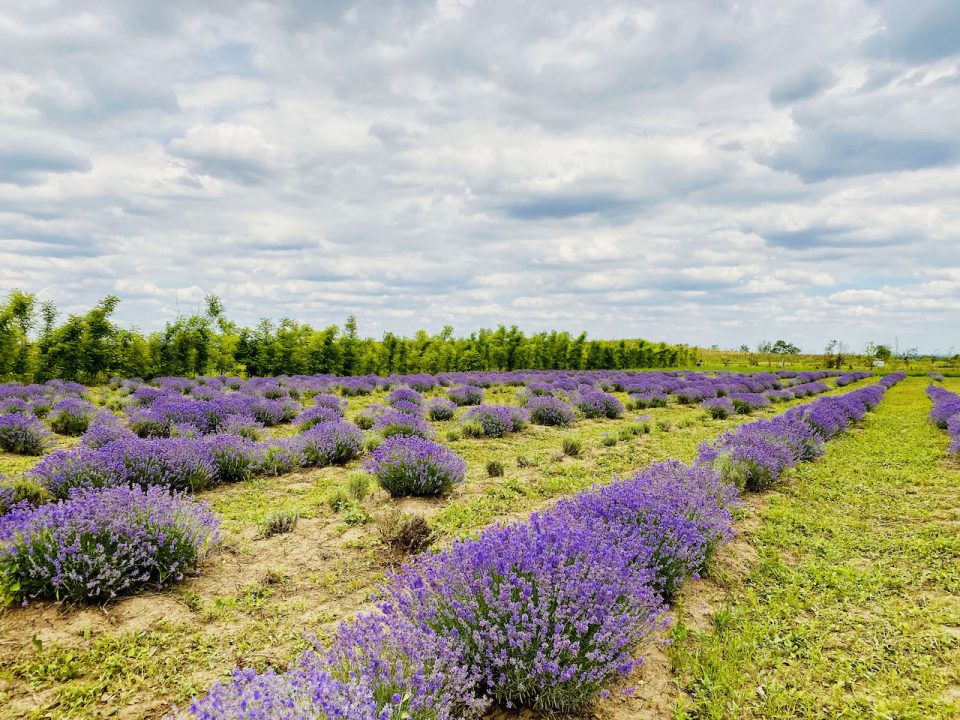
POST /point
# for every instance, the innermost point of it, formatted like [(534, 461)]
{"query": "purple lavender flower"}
[(598, 404), (745, 403), (104, 429), (466, 395), (393, 422), (71, 416), (175, 464), (332, 443), (494, 420), (405, 395), (232, 457), (414, 466), (440, 409), (718, 408), (407, 408), (316, 415), (544, 612), (23, 434), (945, 405), (102, 543), (548, 410)]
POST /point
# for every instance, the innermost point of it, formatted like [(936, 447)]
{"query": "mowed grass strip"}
[(852, 609)]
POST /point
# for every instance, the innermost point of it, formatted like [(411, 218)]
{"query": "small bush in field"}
[(71, 416), (358, 486), (404, 533), (664, 425), (99, 544), (524, 462), (338, 498), (452, 435), (608, 439), (23, 434), (441, 409), (278, 523), (572, 446), (413, 466), (495, 468)]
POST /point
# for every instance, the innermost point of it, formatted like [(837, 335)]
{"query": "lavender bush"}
[(494, 420), (100, 544), (440, 409), (71, 416), (544, 612), (414, 466), (548, 410), (393, 422), (466, 395), (23, 434), (598, 404), (332, 443)]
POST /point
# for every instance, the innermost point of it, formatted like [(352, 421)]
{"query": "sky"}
[(702, 172)]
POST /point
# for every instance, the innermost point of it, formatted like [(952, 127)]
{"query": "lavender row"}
[(754, 455), (945, 414), (539, 613)]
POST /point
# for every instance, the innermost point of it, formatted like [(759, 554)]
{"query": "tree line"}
[(36, 345)]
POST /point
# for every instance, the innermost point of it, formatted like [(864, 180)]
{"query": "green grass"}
[(852, 609)]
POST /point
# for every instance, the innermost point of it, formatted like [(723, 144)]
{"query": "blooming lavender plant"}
[(414, 466), (544, 611), (598, 404), (495, 420), (718, 408), (71, 416), (405, 395), (23, 434), (440, 409), (393, 422), (103, 543), (548, 410), (316, 415), (466, 395), (332, 443)]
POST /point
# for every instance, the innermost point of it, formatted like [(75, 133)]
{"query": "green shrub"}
[(572, 446), (404, 533), (278, 522), (495, 468), (524, 462), (608, 439)]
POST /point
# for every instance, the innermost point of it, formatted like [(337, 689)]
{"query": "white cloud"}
[(598, 166)]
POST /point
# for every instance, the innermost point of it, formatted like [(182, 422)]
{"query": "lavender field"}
[(424, 546)]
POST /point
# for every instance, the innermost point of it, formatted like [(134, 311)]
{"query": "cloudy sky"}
[(702, 172)]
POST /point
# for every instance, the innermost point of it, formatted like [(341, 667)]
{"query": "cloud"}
[(807, 84), (627, 169), (917, 31), (26, 160)]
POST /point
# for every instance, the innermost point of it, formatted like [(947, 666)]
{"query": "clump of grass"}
[(404, 533), (278, 522), (472, 429), (372, 442), (354, 514), (452, 435), (664, 425), (338, 498), (525, 462), (608, 439), (572, 446), (358, 486), (495, 468)]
